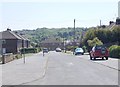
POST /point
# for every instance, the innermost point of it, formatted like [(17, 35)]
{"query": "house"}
[(13, 42), (52, 44), (25, 41), (0, 43), (118, 21)]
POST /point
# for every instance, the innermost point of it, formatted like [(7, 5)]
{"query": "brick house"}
[(52, 44), (13, 42)]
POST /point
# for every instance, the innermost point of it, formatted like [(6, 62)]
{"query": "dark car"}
[(79, 51), (99, 52), (45, 50)]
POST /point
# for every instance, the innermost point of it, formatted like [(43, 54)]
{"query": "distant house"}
[(52, 44), (13, 42)]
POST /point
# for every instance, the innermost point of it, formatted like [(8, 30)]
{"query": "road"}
[(67, 69)]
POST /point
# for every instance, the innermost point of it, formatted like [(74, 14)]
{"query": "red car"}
[(99, 52)]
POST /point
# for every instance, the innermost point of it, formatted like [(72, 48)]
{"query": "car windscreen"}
[(100, 47), (78, 49)]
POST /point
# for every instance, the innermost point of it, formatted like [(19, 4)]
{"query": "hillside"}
[(41, 34)]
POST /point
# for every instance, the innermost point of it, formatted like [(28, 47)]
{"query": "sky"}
[(32, 14)]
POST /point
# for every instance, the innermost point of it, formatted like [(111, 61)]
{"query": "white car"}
[(58, 50), (79, 51)]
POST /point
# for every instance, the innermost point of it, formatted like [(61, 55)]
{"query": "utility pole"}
[(100, 23), (24, 52), (74, 36)]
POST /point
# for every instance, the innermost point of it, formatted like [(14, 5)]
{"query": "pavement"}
[(19, 73)]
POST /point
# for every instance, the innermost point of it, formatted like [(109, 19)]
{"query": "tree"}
[(116, 34), (94, 42), (90, 34)]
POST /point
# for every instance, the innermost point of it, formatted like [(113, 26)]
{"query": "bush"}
[(84, 48), (17, 56), (114, 51), (29, 50), (71, 48), (39, 49)]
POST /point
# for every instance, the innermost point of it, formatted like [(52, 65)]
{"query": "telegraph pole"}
[(23, 52), (100, 23), (74, 36)]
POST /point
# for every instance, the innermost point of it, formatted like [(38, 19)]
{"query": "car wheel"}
[(94, 58), (106, 58), (90, 57), (103, 58)]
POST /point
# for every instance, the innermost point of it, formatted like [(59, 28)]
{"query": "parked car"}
[(79, 51), (45, 50), (58, 50), (99, 52)]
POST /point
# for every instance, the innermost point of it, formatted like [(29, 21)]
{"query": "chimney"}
[(111, 22), (8, 29)]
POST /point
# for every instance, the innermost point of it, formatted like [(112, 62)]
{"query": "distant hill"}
[(40, 34)]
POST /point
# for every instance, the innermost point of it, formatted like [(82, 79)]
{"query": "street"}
[(71, 70), (61, 69)]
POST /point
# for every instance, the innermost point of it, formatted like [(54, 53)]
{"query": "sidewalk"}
[(18, 73)]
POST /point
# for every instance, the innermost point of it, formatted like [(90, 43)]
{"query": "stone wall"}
[(7, 58)]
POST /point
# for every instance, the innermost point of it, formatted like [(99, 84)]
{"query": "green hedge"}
[(30, 50), (114, 51), (71, 48)]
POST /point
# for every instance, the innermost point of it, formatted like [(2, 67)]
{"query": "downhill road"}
[(68, 69)]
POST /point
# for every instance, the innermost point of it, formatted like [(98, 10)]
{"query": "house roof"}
[(21, 36), (9, 35), (25, 38)]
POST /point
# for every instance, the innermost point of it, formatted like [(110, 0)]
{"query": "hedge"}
[(114, 51), (71, 48), (30, 50)]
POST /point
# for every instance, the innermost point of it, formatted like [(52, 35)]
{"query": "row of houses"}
[(53, 43), (12, 42)]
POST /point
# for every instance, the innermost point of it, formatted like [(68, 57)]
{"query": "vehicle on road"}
[(45, 50), (99, 52), (58, 50), (79, 51)]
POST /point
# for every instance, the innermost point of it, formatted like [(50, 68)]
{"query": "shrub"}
[(71, 48), (29, 50), (84, 48), (114, 51), (39, 49)]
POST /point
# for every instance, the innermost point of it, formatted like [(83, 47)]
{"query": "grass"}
[(69, 52), (28, 54)]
